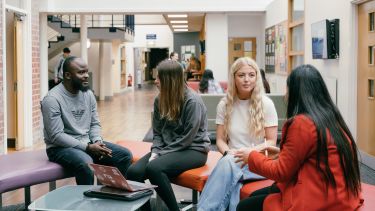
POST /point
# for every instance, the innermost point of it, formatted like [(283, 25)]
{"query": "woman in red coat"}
[(317, 164)]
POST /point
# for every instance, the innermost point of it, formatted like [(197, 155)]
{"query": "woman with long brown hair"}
[(180, 140)]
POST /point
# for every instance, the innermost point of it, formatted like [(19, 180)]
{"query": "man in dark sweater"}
[(72, 130)]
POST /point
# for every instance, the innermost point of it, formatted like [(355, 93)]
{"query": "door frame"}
[(25, 91), (366, 158)]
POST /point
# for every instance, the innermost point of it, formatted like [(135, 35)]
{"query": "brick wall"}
[(37, 130), (1, 82)]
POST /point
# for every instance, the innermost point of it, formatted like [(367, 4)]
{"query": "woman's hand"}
[(152, 157), (270, 151), (242, 155)]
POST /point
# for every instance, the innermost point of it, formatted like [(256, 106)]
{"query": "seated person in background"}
[(317, 165), (245, 118), (193, 67), (208, 85), (266, 85), (180, 139), (72, 130)]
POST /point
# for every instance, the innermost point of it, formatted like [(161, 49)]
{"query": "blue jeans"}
[(224, 184), (76, 161)]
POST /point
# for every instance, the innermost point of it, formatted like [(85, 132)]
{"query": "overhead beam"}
[(152, 7)]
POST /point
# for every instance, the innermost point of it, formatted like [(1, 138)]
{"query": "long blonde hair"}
[(172, 89), (256, 120)]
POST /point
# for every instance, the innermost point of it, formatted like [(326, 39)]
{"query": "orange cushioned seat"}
[(196, 178), (138, 148), (368, 194), (250, 187)]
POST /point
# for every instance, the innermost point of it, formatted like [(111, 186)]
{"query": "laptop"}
[(111, 177)]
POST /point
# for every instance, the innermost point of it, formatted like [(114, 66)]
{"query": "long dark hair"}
[(203, 84), (172, 88), (309, 95), (266, 85)]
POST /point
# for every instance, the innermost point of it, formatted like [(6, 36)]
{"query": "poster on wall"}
[(270, 39), (276, 49), (187, 51), (281, 48)]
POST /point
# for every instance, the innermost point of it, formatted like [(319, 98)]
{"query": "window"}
[(298, 10), (297, 38), (371, 88), (371, 21), (296, 42), (371, 55)]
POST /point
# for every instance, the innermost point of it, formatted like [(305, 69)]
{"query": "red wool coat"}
[(296, 162)]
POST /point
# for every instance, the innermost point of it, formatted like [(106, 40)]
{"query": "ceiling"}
[(195, 21)]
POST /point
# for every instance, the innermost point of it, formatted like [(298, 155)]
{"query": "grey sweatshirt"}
[(70, 120), (188, 132)]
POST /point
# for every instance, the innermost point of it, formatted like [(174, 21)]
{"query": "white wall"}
[(217, 45), (344, 69), (276, 12), (116, 79), (93, 62), (164, 39), (105, 69), (249, 25)]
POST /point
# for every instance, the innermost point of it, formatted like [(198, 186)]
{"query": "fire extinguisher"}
[(130, 80)]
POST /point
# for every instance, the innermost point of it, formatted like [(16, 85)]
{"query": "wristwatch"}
[(225, 152)]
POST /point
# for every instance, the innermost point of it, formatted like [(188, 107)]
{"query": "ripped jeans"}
[(224, 184)]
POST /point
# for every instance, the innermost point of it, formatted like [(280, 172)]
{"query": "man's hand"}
[(99, 149), (56, 80)]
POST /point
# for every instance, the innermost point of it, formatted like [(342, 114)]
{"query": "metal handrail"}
[(122, 22)]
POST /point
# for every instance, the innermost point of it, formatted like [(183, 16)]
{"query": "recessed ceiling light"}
[(180, 30), (183, 21), (179, 26), (177, 16)]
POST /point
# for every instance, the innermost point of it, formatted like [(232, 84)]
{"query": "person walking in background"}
[(246, 119), (316, 167), (180, 140), (208, 85), (59, 65), (174, 56), (266, 85), (72, 130)]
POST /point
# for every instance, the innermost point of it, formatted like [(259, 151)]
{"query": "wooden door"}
[(18, 73), (240, 47), (366, 77)]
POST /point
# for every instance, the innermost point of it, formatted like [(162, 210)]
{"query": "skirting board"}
[(367, 159)]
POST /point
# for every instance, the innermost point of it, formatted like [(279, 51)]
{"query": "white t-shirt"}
[(239, 135)]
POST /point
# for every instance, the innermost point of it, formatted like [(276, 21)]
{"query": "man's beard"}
[(77, 85)]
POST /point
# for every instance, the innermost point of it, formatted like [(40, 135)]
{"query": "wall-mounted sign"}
[(150, 36)]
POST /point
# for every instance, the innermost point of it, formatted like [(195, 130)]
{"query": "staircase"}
[(106, 27)]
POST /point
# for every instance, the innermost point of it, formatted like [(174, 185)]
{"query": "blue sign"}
[(150, 36)]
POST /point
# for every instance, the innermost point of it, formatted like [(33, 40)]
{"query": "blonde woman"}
[(245, 118), (180, 139)]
